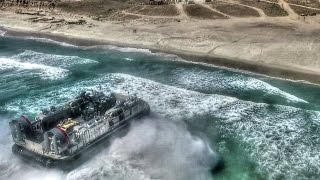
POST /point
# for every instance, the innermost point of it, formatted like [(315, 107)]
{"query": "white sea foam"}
[(282, 143), (162, 149), (48, 66), (219, 81), (129, 59), (46, 72), (283, 132), (165, 56), (152, 149), (47, 40), (128, 49), (281, 140), (2, 33), (12, 168), (254, 84), (51, 59)]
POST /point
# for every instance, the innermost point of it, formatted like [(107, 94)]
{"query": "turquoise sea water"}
[(261, 127)]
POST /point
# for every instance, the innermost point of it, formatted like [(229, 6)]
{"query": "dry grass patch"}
[(200, 12)]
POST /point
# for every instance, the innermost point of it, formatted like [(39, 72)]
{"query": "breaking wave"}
[(281, 141), (219, 81), (138, 51), (2, 33), (52, 59), (153, 149), (254, 84), (269, 135), (47, 66), (129, 59), (47, 40), (275, 137), (46, 72), (128, 49)]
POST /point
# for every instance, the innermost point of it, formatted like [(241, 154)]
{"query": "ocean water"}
[(262, 128)]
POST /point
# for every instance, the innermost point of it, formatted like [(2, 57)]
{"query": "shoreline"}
[(263, 69)]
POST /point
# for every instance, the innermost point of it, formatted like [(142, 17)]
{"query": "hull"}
[(65, 137), (76, 158), (66, 163)]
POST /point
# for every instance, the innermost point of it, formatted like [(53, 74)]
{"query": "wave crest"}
[(46, 72), (2, 33), (52, 59)]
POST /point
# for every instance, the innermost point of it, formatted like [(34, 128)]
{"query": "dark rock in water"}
[(217, 168)]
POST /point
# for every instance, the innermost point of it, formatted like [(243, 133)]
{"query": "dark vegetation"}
[(200, 12), (308, 3), (270, 9), (111, 9), (234, 9), (102, 8), (151, 10), (305, 11), (127, 17)]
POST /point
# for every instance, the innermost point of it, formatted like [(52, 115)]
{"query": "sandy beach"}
[(286, 47)]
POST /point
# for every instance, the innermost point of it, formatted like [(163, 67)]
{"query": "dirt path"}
[(260, 11), (304, 6), (148, 16), (283, 4), (214, 10), (182, 14)]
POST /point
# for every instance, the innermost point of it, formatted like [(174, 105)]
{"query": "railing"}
[(89, 135)]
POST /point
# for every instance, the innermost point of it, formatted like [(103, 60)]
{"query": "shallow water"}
[(261, 127)]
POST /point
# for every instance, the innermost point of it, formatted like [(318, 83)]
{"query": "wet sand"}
[(279, 47)]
